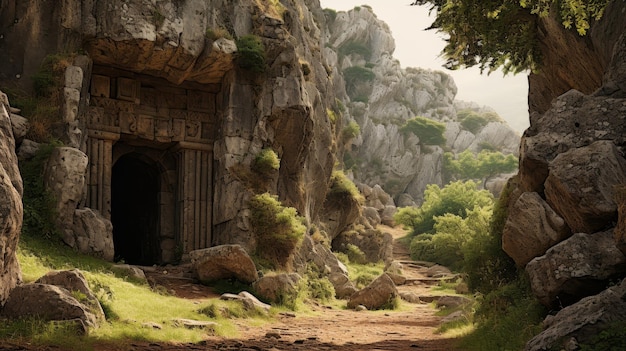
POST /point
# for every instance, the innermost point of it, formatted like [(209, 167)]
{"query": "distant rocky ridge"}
[(386, 97)]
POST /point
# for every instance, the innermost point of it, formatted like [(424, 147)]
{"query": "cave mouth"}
[(135, 210)]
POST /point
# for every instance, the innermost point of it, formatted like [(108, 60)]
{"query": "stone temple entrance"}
[(151, 163), (135, 211)]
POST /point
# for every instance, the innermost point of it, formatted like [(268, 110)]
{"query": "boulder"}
[(342, 284), (248, 300), (583, 320), (575, 268), (131, 271), (20, 127), (48, 302), (580, 185), (275, 288), (223, 262), (64, 177), (74, 281), (410, 297), (533, 229), (11, 210), (376, 295), (91, 234)]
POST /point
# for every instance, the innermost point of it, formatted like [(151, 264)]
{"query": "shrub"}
[(214, 34), (357, 74), (428, 131), (351, 131), (354, 47), (474, 123), (266, 162), (279, 229), (341, 186), (251, 53), (455, 198)]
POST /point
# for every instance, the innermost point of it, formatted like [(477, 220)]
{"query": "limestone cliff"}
[(381, 96)]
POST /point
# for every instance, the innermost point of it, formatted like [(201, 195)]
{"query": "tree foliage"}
[(484, 165), (455, 198), (428, 131), (503, 33)]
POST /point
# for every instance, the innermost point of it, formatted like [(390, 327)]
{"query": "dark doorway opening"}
[(135, 210)]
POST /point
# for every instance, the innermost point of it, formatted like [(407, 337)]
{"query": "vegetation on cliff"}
[(503, 34)]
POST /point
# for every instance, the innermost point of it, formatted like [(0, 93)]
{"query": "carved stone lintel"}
[(104, 135)]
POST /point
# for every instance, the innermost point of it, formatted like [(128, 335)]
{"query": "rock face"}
[(577, 267), (223, 262), (10, 205), (533, 230)]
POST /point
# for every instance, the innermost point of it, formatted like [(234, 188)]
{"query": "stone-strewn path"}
[(329, 329)]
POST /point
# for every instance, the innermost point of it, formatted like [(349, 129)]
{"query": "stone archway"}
[(135, 210)]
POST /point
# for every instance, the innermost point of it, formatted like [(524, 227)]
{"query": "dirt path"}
[(329, 329), (344, 330)]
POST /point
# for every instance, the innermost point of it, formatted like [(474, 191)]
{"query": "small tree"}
[(482, 166), (428, 131)]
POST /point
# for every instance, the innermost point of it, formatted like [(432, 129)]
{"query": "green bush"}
[(474, 123), (357, 74), (278, 229), (487, 266), (351, 131), (251, 53), (428, 131), (505, 319), (456, 198), (341, 186), (266, 162), (354, 47), (214, 34)]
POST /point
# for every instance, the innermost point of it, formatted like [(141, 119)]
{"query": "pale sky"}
[(416, 47)]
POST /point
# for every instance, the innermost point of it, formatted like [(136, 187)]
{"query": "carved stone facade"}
[(150, 148)]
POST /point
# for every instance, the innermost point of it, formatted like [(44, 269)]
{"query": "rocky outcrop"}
[(223, 262), (575, 268), (381, 96), (10, 204), (582, 321)]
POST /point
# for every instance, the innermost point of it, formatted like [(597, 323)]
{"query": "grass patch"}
[(127, 304), (361, 274)]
